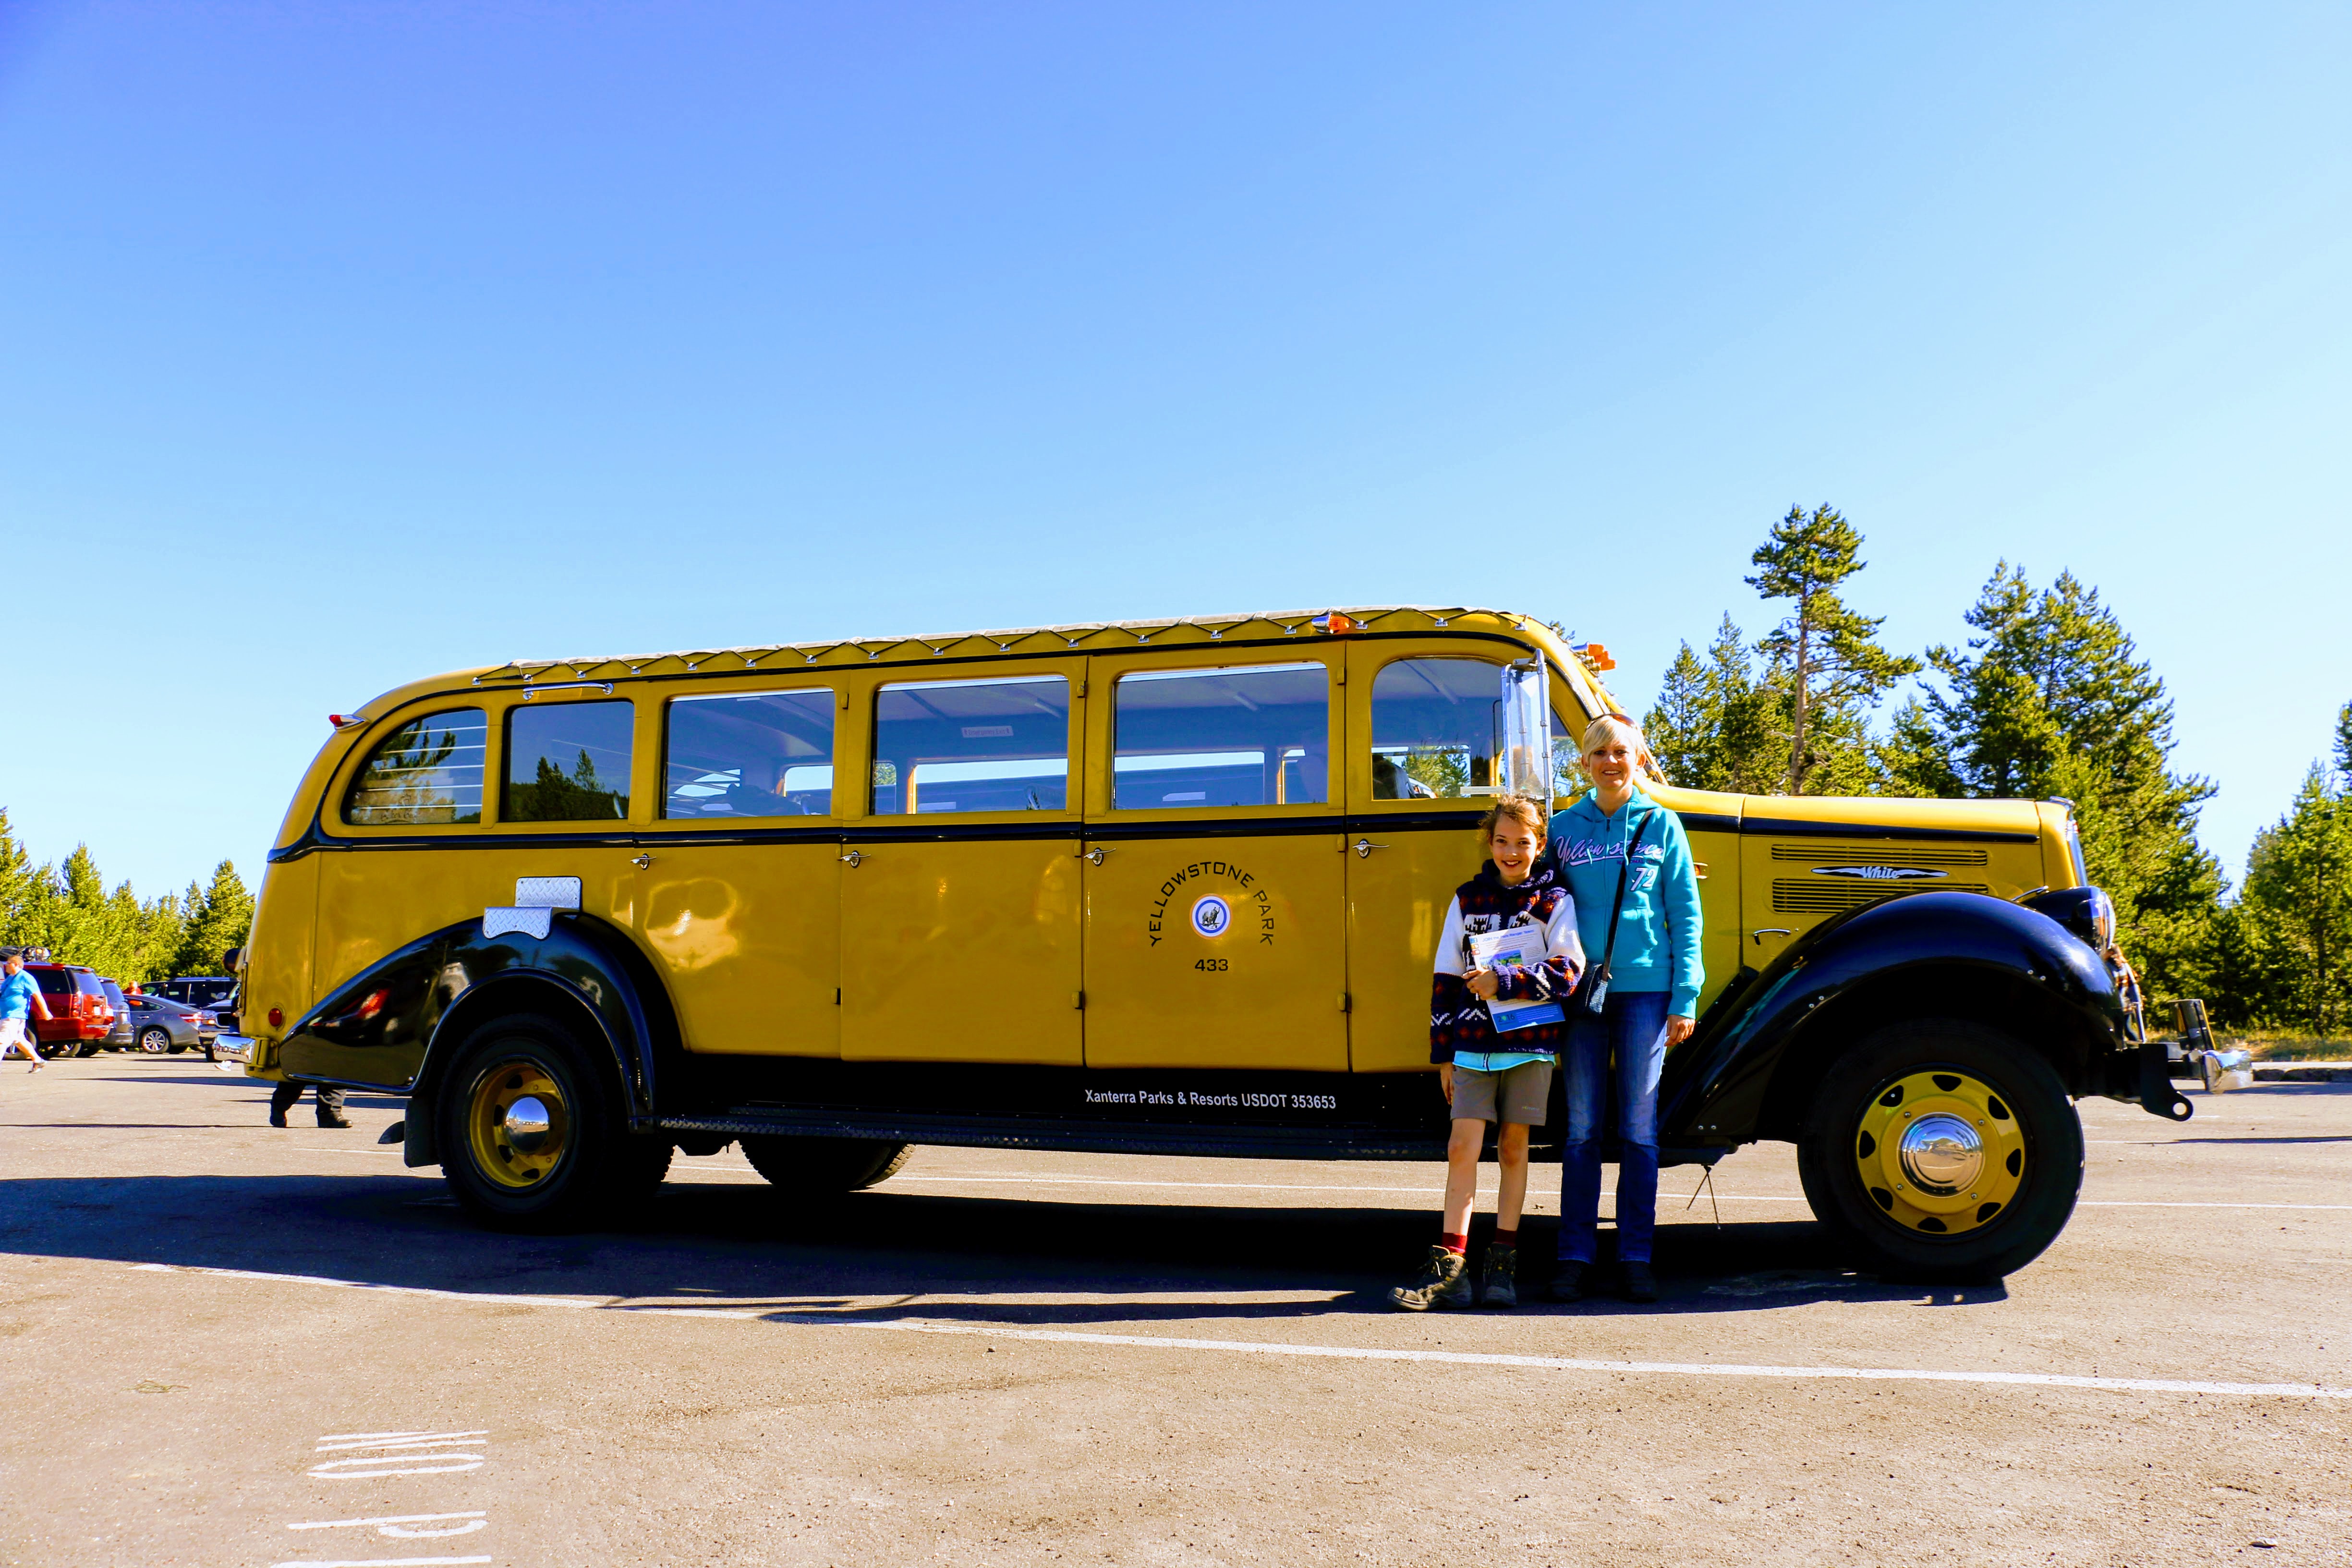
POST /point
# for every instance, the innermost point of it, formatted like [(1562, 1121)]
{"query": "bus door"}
[(1213, 878), (739, 899), (1432, 728), (960, 892)]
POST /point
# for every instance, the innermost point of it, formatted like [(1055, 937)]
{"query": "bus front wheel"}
[(1943, 1151)]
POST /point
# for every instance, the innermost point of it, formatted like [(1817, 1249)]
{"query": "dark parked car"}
[(120, 1038), (215, 991), (160, 1025)]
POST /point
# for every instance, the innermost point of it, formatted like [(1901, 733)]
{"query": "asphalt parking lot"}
[(225, 1344)]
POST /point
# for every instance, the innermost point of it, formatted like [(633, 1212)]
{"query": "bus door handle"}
[(1095, 854), (1364, 848), (851, 859), (1769, 931)]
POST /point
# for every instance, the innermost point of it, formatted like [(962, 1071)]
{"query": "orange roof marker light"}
[(1334, 624), (1596, 655)]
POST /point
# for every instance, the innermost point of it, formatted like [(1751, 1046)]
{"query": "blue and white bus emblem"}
[(1212, 915)]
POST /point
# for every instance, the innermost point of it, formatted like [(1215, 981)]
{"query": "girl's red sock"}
[(1455, 1241), (1506, 1238)]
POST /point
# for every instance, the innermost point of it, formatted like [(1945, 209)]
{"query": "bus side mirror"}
[(1526, 761), (233, 961)]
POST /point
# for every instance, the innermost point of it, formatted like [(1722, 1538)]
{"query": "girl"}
[(1615, 835), (1494, 1025)]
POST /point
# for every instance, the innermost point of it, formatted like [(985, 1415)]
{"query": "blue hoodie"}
[(1658, 940)]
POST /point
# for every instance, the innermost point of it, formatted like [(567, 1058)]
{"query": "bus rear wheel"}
[(819, 1165), (529, 1135), (1943, 1151)]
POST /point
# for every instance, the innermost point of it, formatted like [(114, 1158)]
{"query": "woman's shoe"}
[(1502, 1283), (1568, 1282), (1640, 1284), (1444, 1282)]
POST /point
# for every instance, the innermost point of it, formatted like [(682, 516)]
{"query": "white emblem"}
[(1880, 873), (1212, 915)]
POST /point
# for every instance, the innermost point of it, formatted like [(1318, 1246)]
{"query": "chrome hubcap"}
[(1942, 1154), (526, 1125)]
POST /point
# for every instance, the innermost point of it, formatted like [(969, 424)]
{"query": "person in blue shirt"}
[(20, 1003), (1653, 976)]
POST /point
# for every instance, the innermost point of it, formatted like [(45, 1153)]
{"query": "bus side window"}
[(568, 761), (973, 745), (1257, 735), (1437, 727), (761, 753), (429, 771)]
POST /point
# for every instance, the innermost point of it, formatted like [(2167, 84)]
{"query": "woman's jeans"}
[(1633, 1030)]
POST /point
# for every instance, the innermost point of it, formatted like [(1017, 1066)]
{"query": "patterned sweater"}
[(1459, 1021)]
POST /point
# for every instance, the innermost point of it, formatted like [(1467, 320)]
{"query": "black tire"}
[(821, 1166), (53, 1050), (155, 1041), (1941, 1064), (588, 1163)]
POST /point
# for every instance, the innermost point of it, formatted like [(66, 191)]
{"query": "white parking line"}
[(372, 1562), (1332, 1352)]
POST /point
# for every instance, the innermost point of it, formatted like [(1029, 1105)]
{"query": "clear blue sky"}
[(340, 344)]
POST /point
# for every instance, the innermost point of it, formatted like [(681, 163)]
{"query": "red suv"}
[(81, 1017)]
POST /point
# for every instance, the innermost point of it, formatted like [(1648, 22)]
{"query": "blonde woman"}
[(1616, 836)]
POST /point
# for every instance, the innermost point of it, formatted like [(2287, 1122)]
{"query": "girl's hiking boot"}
[(1501, 1288), (1444, 1282), (1640, 1285)]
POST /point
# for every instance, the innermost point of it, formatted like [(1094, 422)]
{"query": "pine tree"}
[(1683, 724), (2297, 907), (21, 887), (1715, 726), (2050, 700), (1824, 658), (2343, 753), (218, 918)]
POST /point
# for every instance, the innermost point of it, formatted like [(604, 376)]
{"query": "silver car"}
[(124, 1033), (159, 1025)]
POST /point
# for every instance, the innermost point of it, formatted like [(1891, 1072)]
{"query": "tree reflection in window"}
[(1436, 728), (568, 761), (426, 773)]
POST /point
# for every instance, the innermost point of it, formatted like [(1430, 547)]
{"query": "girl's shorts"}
[(1520, 1094)]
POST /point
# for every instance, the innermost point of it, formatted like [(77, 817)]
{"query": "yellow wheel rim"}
[(1940, 1151), (517, 1124)]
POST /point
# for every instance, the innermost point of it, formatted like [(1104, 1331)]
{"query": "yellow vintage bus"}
[(1165, 887)]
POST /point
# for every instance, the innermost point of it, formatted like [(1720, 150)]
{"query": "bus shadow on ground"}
[(982, 1259)]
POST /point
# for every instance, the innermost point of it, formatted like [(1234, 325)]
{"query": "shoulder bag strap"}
[(1596, 993)]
